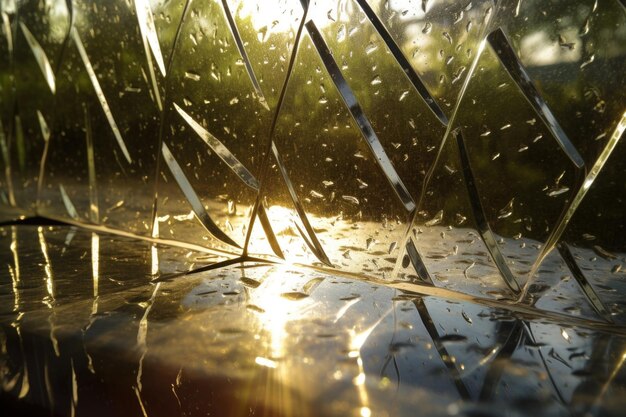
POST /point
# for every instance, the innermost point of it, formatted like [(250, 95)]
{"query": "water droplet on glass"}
[(435, 220), (341, 33), (232, 207), (351, 199), (294, 296), (370, 47), (507, 211), (557, 190), (192, 76)]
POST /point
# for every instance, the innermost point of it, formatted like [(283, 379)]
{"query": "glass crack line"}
[(45, 134), (220, 150), (6, 28), (269, 232), (192, 197), (508, 341), (145, 18), (505, 53), (314, 243), (359, 117), (417, 262), (67, 202), (94, 211), (479, 215), (40, 57), (403, 62), (582, 191), (100, 94), (446, 357), (150, 43), (259, 209), (582, 281), (244, 56)]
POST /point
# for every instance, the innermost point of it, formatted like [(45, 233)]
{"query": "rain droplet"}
[(557, 190), (341, 33), (294, 296), (466, 317), (507, 211), (565, 335), (351, 199), (315, 194), (435, 220), (370, 47), (232, 207), (192, 76)]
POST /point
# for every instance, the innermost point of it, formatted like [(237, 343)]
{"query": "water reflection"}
[(273, 339)]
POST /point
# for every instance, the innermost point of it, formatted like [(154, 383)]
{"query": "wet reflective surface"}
[(93, 324), (350, 153)]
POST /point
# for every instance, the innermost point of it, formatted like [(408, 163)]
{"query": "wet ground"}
[(95, 324)]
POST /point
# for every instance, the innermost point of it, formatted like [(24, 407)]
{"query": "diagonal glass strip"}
[(588, 182), (509, 344), (145, 18), (359, 117), (67, 202), (6, 28), (441, 348), (528, 332), (45, 133), (153, 80), (269, 232), (100, 94), (418, 264), (94, 211), (259, 209), (582, 281), (314, 243), (221, 150), (40, 57), (479, 215), (244, 55), (580, 195), (150, 42), (502, 47), (192, 197), (403, 62), (258, 206)]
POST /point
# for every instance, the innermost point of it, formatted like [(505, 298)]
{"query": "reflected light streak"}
[(95, 262), (357, 341), (47, 267), (16, 259), (15, 271), (278, 311), (608, 382)]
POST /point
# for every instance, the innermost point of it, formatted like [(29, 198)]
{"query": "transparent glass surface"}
[(471, 152)]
